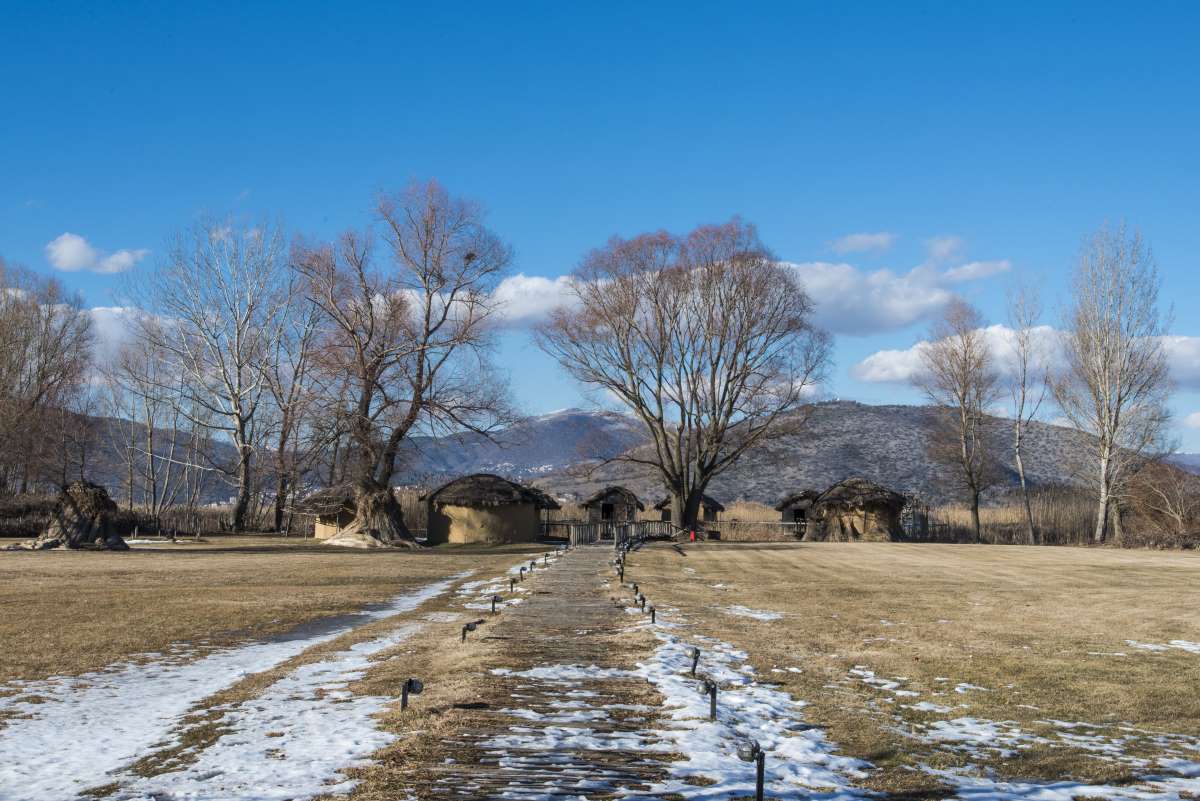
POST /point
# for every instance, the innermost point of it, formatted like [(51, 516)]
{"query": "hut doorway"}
[(606, 511)]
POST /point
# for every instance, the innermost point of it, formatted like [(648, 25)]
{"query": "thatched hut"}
[(795, 508), (613, 505), (855, 510), (332, 508), (483, 508), (710, 509)]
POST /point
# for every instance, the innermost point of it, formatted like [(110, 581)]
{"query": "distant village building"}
[(710, 509), (485, 509), (613, 505), (855, 510), (796, 507), (332, 509)]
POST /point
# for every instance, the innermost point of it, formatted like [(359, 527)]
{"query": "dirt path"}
[(559, 715)]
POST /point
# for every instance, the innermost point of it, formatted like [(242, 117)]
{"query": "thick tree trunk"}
[(685, 508), (281, 493), (242, 505), (975, 517), (1101, 532), (378, 520), (1030, 532)]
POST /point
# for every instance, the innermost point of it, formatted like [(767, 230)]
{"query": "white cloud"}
[(120, 261), (854, 301), (890, 366), (528, 299), (973, 271), (849, 300), (71, 253), (112, 327), (1192, 420), (1183, 354), (944, 248), (901, 366), (863, 243)]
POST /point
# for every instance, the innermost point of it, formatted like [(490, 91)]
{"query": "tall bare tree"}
[(146, 396), (45, 348), (959, 379), (217, 301), (296, 440), (704, 337), (1028, 383), (409, 337), (1115, 384)]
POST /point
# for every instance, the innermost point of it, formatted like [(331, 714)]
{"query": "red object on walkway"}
[(693, 532)]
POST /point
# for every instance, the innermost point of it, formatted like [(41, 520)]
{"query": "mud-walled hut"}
[(485, 509), (856, 510)]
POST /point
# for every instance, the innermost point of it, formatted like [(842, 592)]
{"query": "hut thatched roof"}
[(485, 489), (615, 495), (545, 500), (858, 493), (328, 501), (798, 500), (706, 501)]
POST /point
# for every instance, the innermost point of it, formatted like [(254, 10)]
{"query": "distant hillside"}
[(886, 444), (563, 452), (1188, 461), (530, 448)]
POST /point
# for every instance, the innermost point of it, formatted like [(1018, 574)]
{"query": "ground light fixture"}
[(411, 686), (751, 751), (710, 687)]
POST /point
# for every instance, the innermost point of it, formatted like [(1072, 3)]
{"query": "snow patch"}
[(128, 708)]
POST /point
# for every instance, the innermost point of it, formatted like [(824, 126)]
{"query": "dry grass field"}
[(65, 613), (1040, 663)]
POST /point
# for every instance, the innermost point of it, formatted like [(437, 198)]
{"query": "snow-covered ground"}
[(79, 732), (800, 761)]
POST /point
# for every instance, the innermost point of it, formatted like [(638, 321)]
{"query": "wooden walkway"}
[(566, 720)]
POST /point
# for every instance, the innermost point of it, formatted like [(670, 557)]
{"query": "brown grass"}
[(1023, 622), (65, 613)]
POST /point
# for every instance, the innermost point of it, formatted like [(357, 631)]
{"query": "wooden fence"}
[(582, 533)]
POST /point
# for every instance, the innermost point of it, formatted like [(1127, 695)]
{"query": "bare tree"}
[(1115, 384), (216, 300), (290, 381), (958, 378), (45, 348), (146, 395), (1028, 384), (704, 337), (1168, 496), (410, 339)]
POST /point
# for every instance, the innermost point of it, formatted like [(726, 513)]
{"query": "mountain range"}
[(569, 453)]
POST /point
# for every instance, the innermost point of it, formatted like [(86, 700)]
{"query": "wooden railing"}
[(586, 533)]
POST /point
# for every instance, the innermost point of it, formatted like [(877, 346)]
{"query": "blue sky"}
[(994, 135)]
